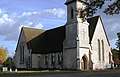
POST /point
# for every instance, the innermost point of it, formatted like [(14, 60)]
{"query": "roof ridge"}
[(32, 28)]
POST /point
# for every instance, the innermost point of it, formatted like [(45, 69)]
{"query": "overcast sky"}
[(42, 14)]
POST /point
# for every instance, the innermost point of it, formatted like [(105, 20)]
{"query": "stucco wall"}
[(70, 58), (100, 34), (70, 42), (22, 42), (35, 61), (38, 61)]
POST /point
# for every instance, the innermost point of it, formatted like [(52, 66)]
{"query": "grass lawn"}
[(29, 73)]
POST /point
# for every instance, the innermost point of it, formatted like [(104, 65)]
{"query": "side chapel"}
[(80, 44)]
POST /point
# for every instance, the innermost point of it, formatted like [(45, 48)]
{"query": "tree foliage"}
[(118, 41), (9, 62), (3, 54), (94, 5), (113, 8), (115, 53)]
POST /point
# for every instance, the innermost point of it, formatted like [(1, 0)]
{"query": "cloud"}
[(115, 27), (5, 19), (39, 26), (29, 13), (112, 26), (113, 43), (56, 12), (31, 16), (10, 24), (5, 24), (2, 11), (27, 24)]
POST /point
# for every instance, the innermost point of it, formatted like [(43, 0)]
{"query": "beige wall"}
[(22, 42), (100, 34)]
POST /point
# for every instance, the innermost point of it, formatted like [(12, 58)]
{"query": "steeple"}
[(77, 33), (76, 10)]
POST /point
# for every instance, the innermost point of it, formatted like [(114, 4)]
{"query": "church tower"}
[(76, 44)]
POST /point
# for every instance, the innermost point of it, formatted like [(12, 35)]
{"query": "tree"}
[(3, 54), (115, 53), (118, 41), (94, 5), (114, 8), (9, 63), (116, 57)]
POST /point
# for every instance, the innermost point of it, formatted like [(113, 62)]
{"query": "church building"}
[(80, 44)]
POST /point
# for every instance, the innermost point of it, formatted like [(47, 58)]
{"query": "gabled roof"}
[(49, 41), (92, 25), (31, 33)]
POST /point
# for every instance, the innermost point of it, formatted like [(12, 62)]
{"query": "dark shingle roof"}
[(49, 41), (92, 25)]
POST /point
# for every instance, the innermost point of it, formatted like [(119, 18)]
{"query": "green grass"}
[(30, 73), (24, 73)]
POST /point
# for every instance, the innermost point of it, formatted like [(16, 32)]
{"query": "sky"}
[(42, 14)]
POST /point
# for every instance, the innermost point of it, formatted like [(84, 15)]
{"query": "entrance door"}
[(84, 62)]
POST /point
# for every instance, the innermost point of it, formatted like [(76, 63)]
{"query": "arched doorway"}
[(84, 62)]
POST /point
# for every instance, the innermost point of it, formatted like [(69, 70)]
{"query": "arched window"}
[(46, 59), (99, 50), (72, 13), (60, 59), (53, 60), (103, 51)]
